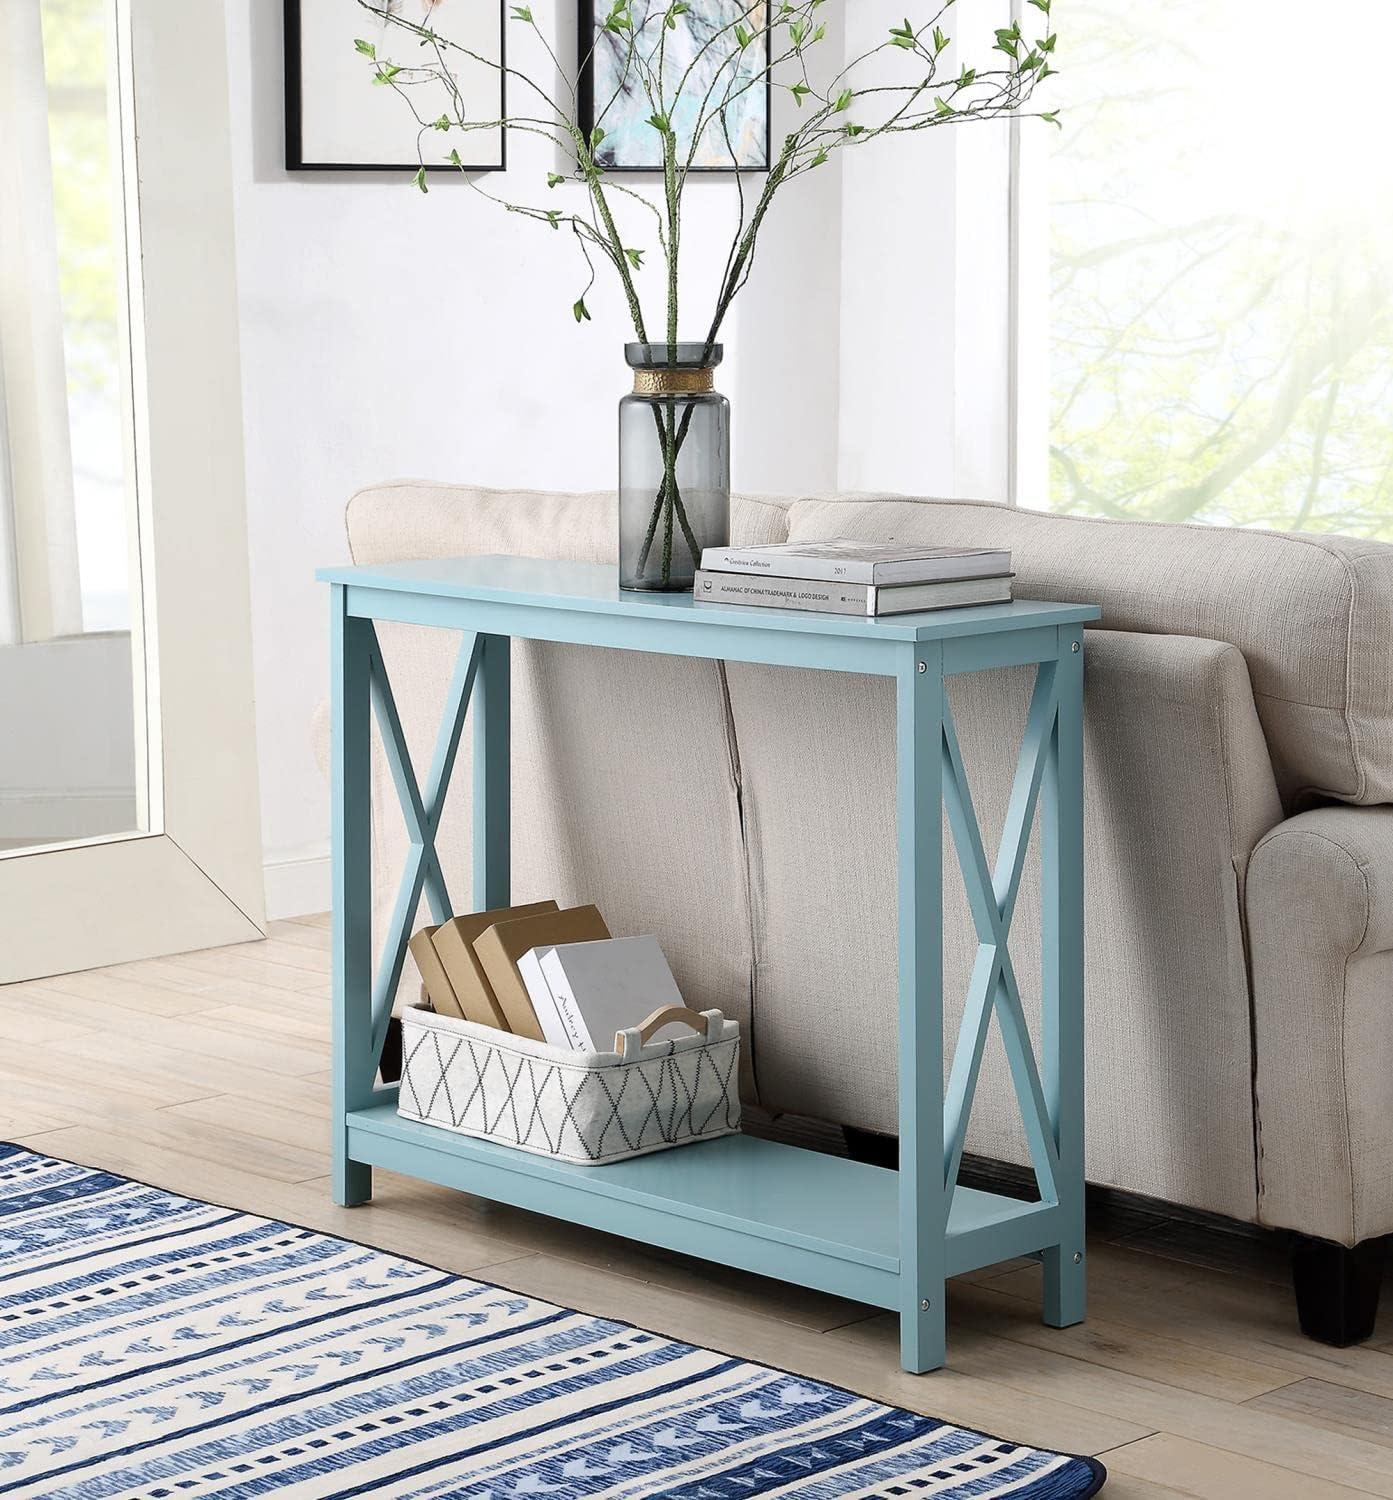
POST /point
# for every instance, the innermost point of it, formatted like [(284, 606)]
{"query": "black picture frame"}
[(294, 110), (585, 97)]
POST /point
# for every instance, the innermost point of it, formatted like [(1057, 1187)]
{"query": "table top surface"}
[(539, 583)]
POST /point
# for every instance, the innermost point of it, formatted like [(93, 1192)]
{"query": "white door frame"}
[(195, 879)]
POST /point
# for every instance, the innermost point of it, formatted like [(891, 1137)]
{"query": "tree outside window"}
[(1221, 228)]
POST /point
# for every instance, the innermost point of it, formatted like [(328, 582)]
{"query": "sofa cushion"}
[(1178, 790), (409, 518), (623, 791), (1312, 615)]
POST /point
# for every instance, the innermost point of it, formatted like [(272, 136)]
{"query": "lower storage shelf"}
[(776, 1210)]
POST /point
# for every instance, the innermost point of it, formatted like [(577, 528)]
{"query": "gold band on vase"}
[(661, 382)]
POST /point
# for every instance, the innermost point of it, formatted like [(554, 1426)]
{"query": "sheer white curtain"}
[(40, 596)]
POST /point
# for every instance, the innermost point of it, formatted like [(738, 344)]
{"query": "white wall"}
[(923, 298), (386, 333)]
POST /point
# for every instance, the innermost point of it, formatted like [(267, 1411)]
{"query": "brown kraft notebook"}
[(439, 990), (500, 946), (454, 945)]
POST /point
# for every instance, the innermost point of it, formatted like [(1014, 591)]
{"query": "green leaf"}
[(366, 48), (742, 36), (820, 159), (635, 259), (1052, 115), (522, 13), (596, 136), (554, 217), (659, 123), (940, 40), (420, 179), (942, 107), (385, 73), (966, 77), (843, 101), (455, 159), (443, 123), (554, 179), (581, 311), (800, 91)]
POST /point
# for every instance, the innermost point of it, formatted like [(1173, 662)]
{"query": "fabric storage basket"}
[(587, 1107)]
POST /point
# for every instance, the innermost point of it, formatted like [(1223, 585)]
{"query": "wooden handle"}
[(661, 1017)]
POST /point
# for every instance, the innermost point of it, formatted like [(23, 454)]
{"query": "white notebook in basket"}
[(585, 992)]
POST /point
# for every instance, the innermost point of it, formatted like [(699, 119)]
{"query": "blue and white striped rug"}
[(154, 1347)]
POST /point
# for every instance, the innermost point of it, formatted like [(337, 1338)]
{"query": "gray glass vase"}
[(674, 465)]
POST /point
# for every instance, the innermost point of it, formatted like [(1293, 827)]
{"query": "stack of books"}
[(539, 971), (854, 578)]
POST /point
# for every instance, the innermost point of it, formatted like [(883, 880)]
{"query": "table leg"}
[(923, 1200), (1062, 1012), (353, 1059), (492, 749)]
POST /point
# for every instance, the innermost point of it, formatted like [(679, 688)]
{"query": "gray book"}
[(859, 562), (849, 598)]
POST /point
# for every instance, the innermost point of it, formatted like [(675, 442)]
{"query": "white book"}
[(849, 598), (859, 562), (543, 1001), (605, 987)]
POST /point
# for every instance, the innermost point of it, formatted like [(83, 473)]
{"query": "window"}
[(1218, 211)]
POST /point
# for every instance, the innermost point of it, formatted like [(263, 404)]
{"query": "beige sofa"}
[(1239, 849)]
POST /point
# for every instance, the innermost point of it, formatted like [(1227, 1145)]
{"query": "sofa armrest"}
[(1320, 924)]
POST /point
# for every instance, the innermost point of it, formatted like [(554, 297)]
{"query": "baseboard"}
[(297, 885)]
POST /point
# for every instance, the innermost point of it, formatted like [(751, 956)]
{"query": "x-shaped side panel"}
[(992, 896), (421, 812)]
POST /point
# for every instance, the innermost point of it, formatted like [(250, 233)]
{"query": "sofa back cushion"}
[(613, 753), (1312, 615), (1177, 791)]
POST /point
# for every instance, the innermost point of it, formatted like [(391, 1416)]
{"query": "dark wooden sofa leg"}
[(1337, 1288)]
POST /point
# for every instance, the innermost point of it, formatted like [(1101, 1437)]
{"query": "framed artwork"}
[(337, 121), (630, 143)]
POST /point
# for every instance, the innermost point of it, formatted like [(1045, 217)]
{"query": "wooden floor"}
[(209, 1074)]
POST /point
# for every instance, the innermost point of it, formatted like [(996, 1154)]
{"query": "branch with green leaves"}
[(694, 95), (897, 85)]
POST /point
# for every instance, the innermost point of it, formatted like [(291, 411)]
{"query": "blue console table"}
[(860, 1231)]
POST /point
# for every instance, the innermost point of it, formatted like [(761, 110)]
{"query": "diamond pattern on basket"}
[(581, 1111)]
